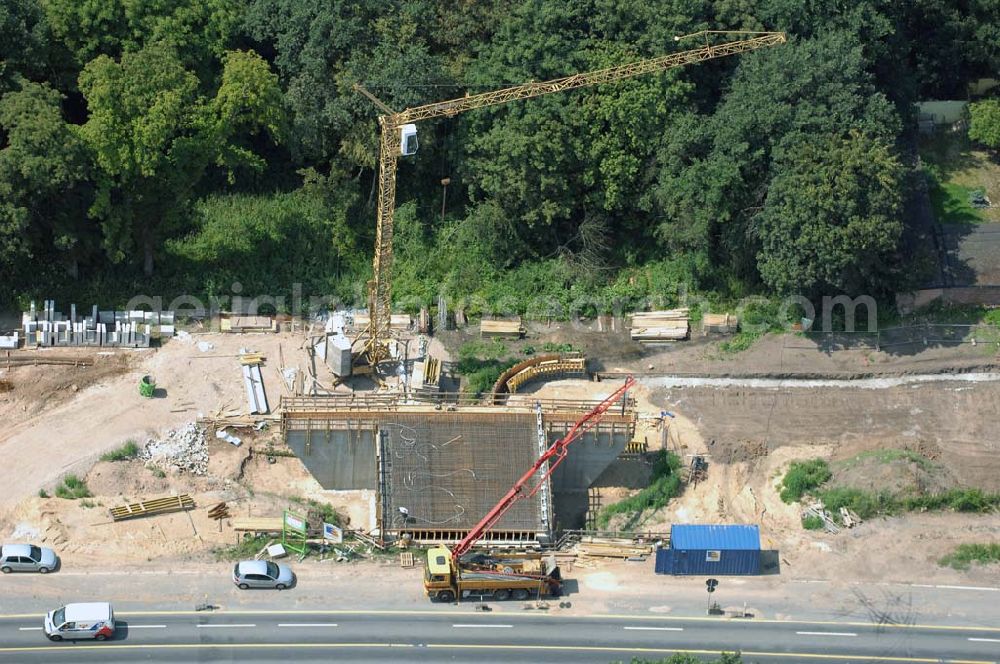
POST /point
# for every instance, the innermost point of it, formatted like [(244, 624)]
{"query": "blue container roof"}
[(721, 538)]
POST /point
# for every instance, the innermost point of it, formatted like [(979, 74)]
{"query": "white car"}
[(27, 558), (262, 574), (85, 620)]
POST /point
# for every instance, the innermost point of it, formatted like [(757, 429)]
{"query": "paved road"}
[(464, 635)]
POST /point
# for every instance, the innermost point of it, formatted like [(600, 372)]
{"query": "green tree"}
[(832, 219), (200, 30), (984, 125), (153, 137), (715, 172), (570, 168), (43, 171), (24, 41)]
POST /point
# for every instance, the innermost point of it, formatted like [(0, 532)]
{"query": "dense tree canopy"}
[(171, 137)]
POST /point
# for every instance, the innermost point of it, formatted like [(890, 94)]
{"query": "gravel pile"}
[(183, 448)]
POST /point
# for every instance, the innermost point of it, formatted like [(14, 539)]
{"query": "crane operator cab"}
[(408, 139)]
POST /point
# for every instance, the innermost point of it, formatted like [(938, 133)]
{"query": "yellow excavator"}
[(399, 139)]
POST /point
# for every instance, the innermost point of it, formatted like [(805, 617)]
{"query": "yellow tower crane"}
[(399, 138)]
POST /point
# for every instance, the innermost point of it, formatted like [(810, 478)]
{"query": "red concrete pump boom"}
[(556, 451)]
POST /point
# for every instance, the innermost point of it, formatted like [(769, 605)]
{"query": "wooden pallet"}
[(151, 507), (406, 559)]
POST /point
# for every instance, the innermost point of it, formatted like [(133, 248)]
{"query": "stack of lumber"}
[(722, 323), (509, 329), (150, 507), (250, 359), (396, 321), (849, 517), (612, 547), (669, 325), (236, 323), (818, 509)]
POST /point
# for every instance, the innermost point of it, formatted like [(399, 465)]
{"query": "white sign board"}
[(332, 533), (294, 522)]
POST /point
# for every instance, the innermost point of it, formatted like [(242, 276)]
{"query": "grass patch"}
[(812, 522), (887, 456), (72, 488), (480, 363), (42, 493), (802, 477), (126, 452), (951, 200), (87, 504), (740, 342), (665, 484), (325, 511), (158, 472), (966, 554), (248, 547)]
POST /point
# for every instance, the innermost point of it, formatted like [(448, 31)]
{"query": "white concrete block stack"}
[(133, 329)]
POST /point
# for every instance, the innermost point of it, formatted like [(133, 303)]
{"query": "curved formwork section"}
[(542, 367)]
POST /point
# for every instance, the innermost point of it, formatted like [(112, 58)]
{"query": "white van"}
[(87, 620)]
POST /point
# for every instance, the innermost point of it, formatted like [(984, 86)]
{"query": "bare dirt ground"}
[(748, 436)]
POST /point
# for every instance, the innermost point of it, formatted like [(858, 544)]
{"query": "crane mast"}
[(554, 454), (392, 145)]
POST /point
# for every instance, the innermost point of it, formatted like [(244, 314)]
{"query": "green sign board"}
[(293, 532)]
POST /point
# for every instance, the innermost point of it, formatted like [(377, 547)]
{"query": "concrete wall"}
[(586, 460), (337, 458)]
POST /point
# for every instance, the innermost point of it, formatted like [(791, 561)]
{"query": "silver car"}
[(27, 558), (262, 574)]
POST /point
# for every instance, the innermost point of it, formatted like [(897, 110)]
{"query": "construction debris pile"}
[(184, 449), (669, 325)]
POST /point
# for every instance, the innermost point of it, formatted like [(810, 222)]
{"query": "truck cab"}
[(439, 577)]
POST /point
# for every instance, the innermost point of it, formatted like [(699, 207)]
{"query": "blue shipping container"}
[(711, 550)]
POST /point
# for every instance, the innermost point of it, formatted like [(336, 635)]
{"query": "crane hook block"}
[(408, 139)]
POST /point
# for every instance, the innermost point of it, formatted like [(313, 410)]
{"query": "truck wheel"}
[(501, 595), (521, 594), (55, 637), (100, 637), (446, 596)]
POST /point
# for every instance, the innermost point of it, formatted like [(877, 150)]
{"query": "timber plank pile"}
[(506, 329), (719, 323), (613, 547), (396, 321), (152, 507), (668, 325)]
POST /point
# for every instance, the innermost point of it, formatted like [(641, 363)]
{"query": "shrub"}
[(802, 477), (126, 452), (865, 504), (42, 493), (812, 522), (72, 488), (965, 554), (665, 484)]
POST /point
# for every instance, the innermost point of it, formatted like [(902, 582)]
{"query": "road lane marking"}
[(30, 629), (307, 624), (145, 626), (656, 629), (985, 640), (226, 625), (527, 617), (827, 633), (482, 625), (459, 646)]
